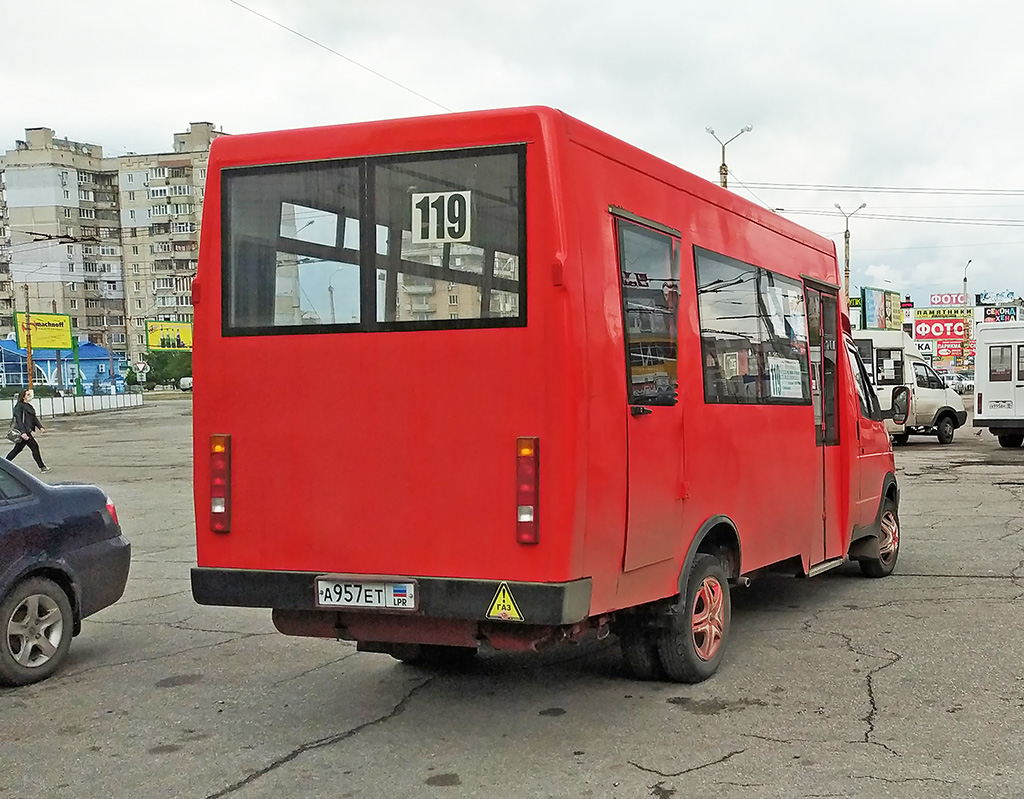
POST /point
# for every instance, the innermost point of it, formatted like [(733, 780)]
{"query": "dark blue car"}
[(62, 558)]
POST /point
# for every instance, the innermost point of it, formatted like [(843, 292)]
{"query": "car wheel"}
[(640, 656), (691, 648), (1010, 440), (945, 429), (900, 439), (883, 561), (37, 626)]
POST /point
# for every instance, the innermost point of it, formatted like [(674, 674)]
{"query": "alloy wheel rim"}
[(708, 618), (34, 631), (889, 544)]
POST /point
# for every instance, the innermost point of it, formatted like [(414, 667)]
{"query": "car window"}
[(921, 374), (860, 380), (11, 488), (934, 381)]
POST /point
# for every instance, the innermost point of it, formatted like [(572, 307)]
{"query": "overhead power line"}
[(340, 55), (933, 220), (888, 189)]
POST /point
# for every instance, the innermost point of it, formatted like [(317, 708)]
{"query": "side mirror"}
[(900, 404)]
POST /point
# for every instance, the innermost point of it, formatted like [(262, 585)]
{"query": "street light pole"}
[(723, 170), (28, 337), (846, 241), (967, 322)]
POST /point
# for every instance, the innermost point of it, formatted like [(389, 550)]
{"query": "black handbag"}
[(14, 435)]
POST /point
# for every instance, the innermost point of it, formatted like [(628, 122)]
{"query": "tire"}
[(640, 658), (900, 439), (887, 552), (944, 430), (36, 626), (1010, 440), (692, 647), (433, 655)]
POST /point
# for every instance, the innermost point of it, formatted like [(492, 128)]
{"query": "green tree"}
[(167, 366)]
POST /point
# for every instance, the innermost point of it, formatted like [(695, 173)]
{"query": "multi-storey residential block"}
[(111, 242)]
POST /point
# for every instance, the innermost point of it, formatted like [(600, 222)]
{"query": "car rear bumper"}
[(101, 571), (999, 424), (439, 597)]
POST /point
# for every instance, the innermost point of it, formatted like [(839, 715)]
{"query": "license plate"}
[(382, 595), (1000, 404)]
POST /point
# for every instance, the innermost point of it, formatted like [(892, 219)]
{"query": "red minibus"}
[(498, 378)]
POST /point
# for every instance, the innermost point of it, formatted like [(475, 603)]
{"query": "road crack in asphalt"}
[(74, 674), (677, 773), (353, 653), (869, 678), (901, 780), (320, 743)]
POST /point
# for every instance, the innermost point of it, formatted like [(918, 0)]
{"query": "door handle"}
[(639, 410)]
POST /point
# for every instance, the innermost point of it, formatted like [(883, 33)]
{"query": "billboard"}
[(881, 309), (169, 335), (947, 299), (953, 348), (940, 329), (996, 297), (50, 331), (1001, 313)]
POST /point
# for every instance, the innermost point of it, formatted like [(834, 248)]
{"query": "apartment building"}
[(110, 241), (161, 213)]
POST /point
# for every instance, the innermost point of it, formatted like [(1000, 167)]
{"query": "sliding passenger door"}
[(823, 336), (649, 273)]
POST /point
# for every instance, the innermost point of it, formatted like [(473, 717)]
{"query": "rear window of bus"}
[(412, 242)]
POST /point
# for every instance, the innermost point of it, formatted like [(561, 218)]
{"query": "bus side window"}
[(868, 402)]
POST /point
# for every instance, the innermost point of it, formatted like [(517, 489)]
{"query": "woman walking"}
[(25, 422)]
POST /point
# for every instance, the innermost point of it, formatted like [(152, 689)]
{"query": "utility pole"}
[(28, 337), (846, 242), (967, 321)]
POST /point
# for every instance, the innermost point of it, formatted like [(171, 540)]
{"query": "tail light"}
[(527, 484), (220, 483), (979, 403), (112, 510)]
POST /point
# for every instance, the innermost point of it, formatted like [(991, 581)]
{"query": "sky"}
[(910, 107)]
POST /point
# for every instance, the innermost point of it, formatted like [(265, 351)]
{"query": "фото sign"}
[(947, 299), (169, 335), (1001, 313), (939, 329), (50, 331)]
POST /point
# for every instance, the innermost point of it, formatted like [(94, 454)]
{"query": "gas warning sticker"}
[(503, 606)]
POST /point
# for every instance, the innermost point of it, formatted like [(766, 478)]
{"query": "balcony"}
[(422, 307), (419, 288)]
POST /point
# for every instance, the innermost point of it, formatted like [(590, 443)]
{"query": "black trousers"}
[(33, 445)]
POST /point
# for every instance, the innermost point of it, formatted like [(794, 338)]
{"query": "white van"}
[(999, 381), (893, 359)]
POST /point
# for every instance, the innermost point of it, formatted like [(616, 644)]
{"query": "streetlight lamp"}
[(967, 322), (723, 170), (330, 292), (846, 240)]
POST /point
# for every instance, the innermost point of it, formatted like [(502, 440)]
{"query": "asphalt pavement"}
[(910, 686)]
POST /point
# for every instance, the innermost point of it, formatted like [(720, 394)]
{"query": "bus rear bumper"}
[(439, 598)]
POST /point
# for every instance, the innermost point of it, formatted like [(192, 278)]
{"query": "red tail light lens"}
[(112, 510), (220, 483), (527, 485), (979, 403)]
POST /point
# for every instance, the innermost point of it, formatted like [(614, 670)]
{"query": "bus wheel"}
[(692, 647), (882, 564), (640, 656), (433, 655), (900, 439), (1011, 440), (945, 430)]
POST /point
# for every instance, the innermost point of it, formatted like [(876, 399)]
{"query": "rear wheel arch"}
[(64, 582), (717, 536)]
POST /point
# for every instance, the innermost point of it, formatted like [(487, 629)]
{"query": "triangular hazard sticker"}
[(503, 606)]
